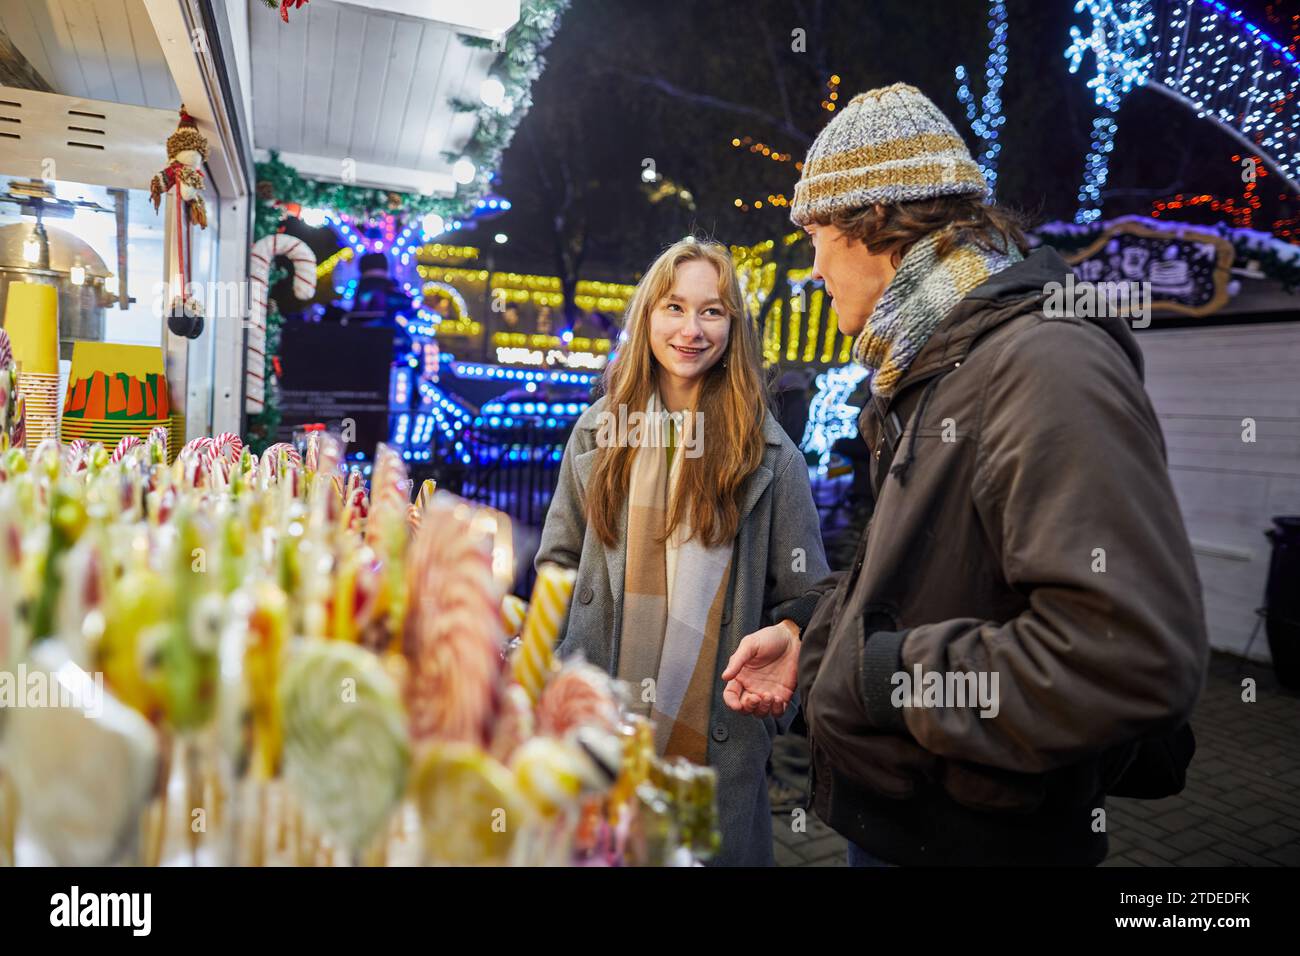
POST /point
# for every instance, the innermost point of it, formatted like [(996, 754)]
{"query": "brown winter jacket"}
[(1028, 531)]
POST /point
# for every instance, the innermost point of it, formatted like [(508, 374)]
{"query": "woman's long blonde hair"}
[(732, 397)]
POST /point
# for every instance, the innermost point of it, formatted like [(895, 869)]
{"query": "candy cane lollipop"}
[(124, 446), (303, 263), (74, 453), (228, 446), (453, 628)]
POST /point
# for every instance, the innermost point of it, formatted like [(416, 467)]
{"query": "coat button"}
[(726, 616), (719, 733), (586, 596)]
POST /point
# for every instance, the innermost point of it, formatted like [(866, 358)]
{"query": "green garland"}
[(518, 66)]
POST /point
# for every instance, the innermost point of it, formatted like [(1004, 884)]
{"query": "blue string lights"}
[(1116, 40), (986, 117), (830, 417), (1201, 53)]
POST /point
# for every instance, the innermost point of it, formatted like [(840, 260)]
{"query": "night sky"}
[(674, 82)]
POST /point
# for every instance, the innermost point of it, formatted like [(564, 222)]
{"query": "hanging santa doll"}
[(187, 150)]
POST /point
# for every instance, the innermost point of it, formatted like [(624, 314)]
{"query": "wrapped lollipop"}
[(268, 625), (553, 774), (67, 519), (311, 458), (157, 442), (186, 676), (85, 772), (18, 430), (514, 725), (415, 513), (389, 496), (345, 744), (453, 635), (469, 808), (580, 696), (138, 608), (275, 460)]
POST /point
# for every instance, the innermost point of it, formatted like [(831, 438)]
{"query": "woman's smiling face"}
[(689, 327)]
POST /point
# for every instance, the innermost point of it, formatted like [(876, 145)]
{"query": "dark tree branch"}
[(713, 102), (777, 73)]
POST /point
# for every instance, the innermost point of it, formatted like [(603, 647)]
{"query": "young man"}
[(1023, 609)]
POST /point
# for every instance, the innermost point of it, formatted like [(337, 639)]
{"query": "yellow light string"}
[(832, 329), (772, 334), (325, 268), (814, 325), (437, 250), (792, 335)]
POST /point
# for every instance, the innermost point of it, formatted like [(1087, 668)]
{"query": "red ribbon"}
[(286, 4)]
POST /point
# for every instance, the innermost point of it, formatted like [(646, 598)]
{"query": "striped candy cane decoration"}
[(303, 264)]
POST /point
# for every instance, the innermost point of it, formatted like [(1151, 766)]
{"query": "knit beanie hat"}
[(887, 146)]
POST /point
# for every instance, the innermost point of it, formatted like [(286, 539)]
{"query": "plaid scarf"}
[(920, 296), (673, 594)]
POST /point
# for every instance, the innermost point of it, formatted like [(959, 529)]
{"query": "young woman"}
[(689, 517)]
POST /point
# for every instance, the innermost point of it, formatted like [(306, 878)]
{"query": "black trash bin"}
[(1282, 597)]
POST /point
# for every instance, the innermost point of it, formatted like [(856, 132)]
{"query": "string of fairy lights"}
[(985, 116), (1210, 57), (756, 147)]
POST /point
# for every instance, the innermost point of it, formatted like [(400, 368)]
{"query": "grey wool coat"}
[(776, 566)]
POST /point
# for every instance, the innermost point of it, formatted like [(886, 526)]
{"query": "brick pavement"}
[(1241, 806)]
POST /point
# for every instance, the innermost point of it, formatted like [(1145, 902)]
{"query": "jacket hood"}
[(1030, 278), (1018, 289)]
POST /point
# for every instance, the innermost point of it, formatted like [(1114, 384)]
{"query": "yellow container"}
[(32, 321)]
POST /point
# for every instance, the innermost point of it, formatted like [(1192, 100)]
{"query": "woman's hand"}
[(764, 672)]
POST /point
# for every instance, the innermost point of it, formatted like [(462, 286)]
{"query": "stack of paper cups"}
[(32, 321)]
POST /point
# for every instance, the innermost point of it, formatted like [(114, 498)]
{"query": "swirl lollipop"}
[(345, 746), (469, 810), (453, 627), (580, 696)]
